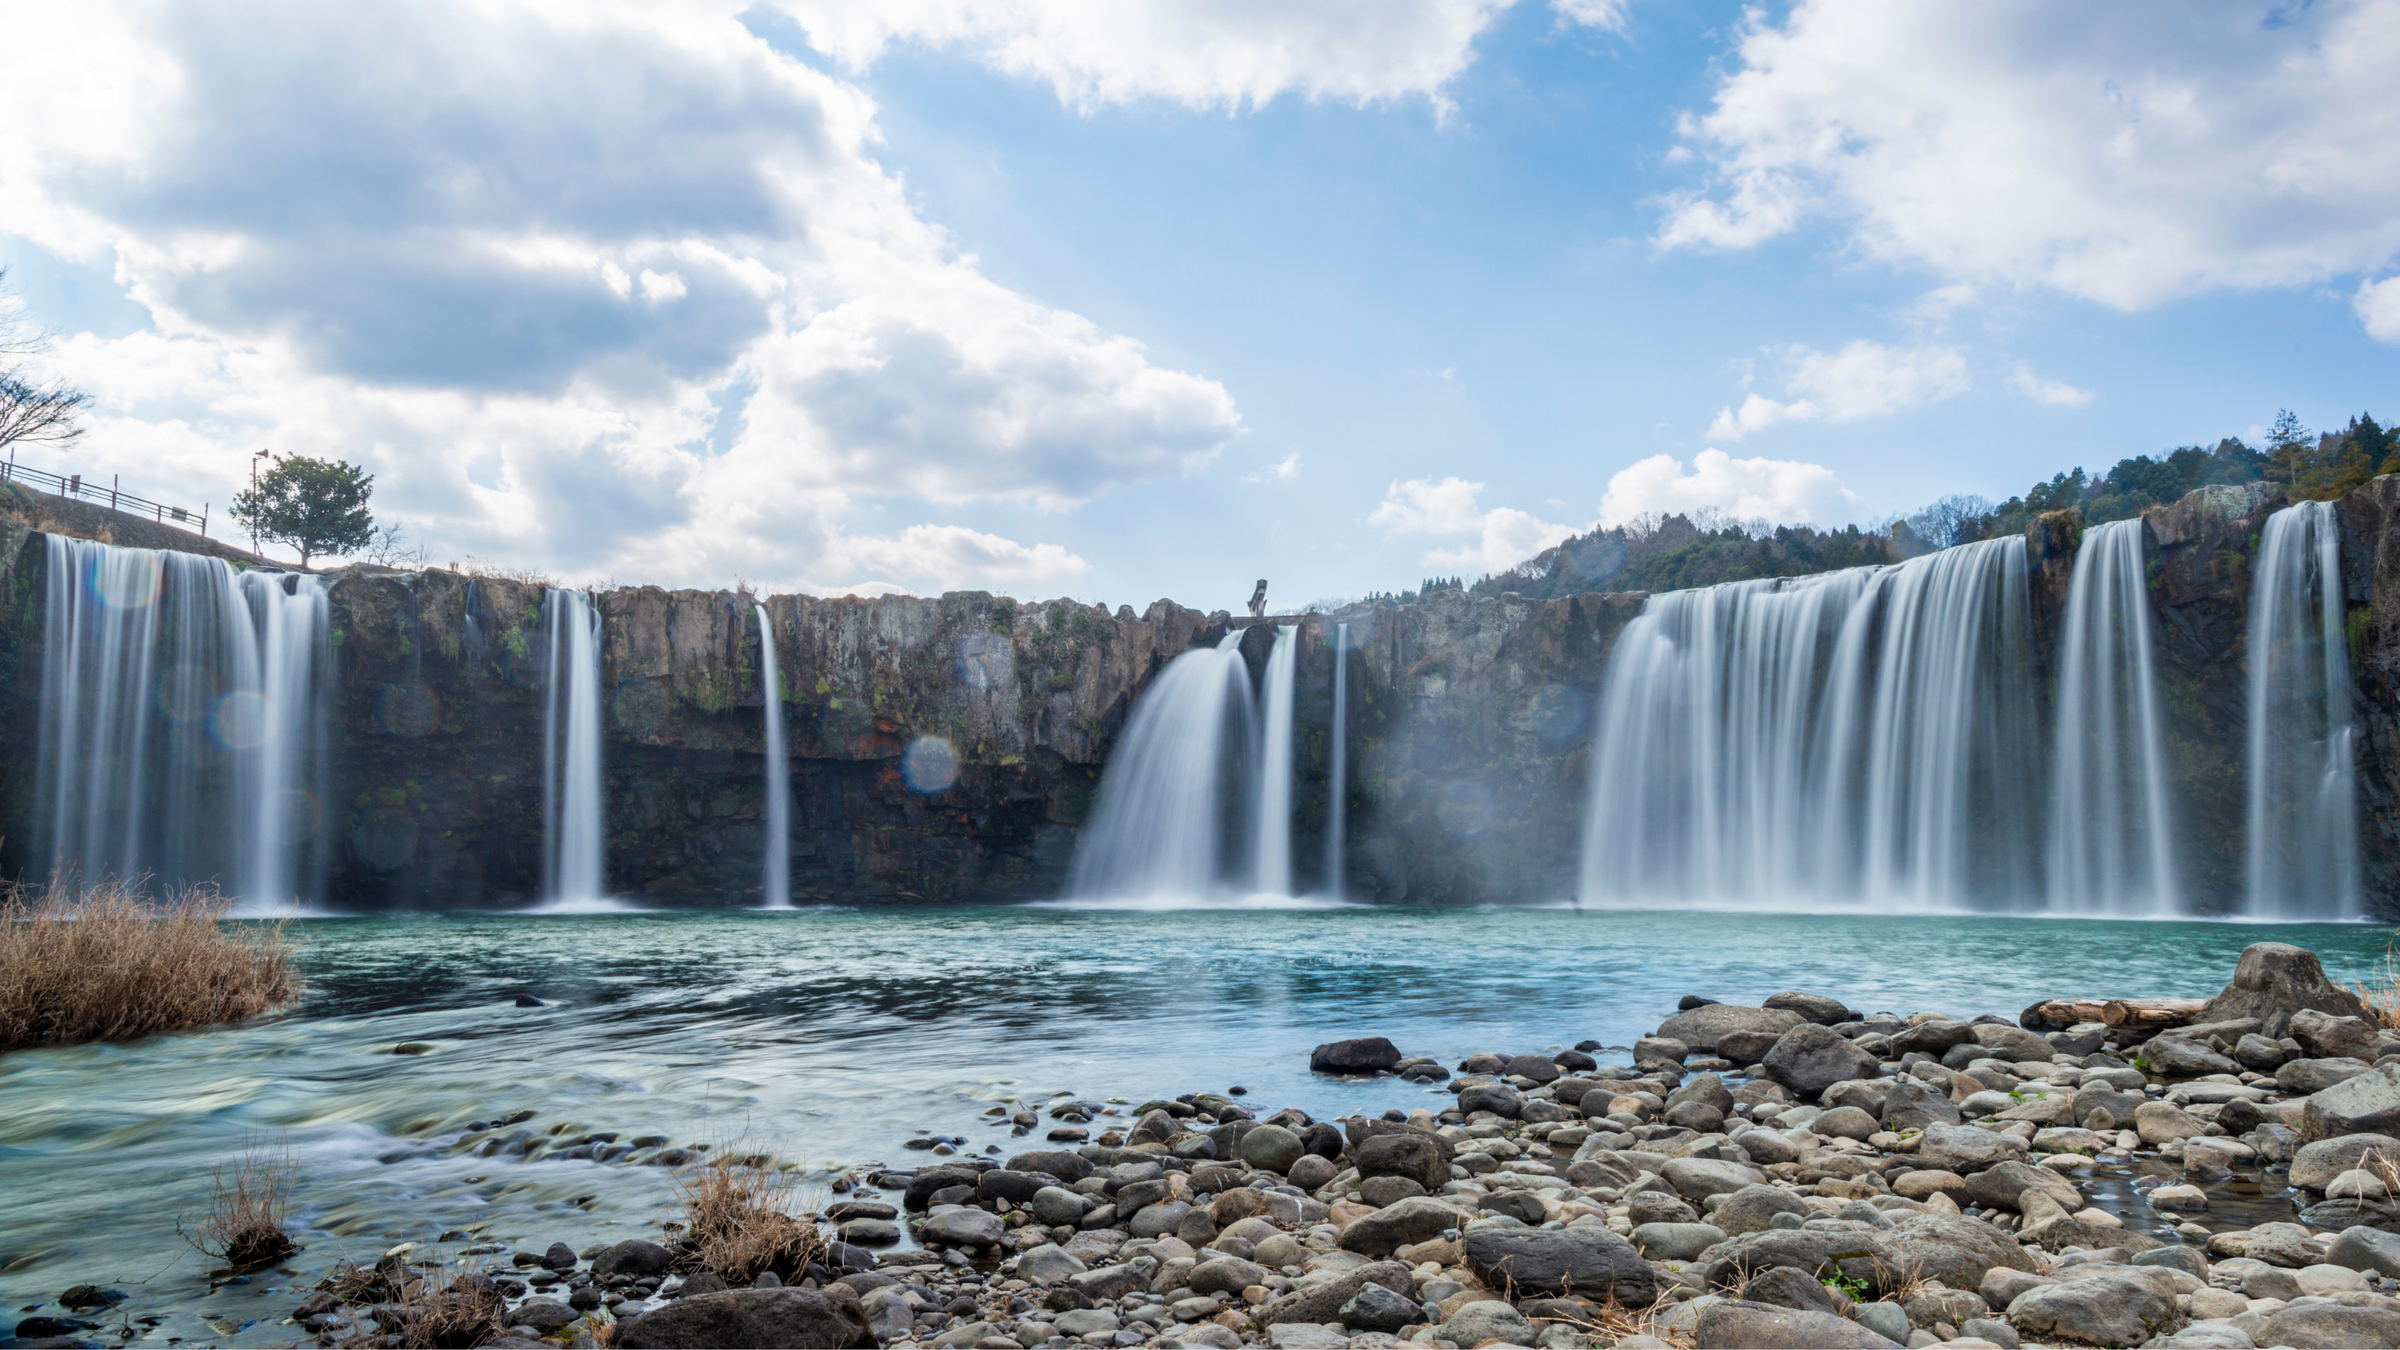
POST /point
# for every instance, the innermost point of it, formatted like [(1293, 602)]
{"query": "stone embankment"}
[(1794, 1174)]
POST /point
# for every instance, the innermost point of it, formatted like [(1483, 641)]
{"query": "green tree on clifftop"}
[(313, 505)]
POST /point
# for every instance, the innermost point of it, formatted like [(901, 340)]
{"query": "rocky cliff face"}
[(1466, 741), (1469, 725)]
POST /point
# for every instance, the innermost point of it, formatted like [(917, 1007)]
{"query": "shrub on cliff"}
[(106, 962)]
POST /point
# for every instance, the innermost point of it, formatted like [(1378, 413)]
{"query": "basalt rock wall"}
[(1466, 743), (1469, 724)]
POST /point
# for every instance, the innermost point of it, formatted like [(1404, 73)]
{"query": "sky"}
[(1137, 299)]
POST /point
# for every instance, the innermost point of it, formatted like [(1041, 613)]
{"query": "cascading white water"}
[(291, 616), (1337, 803), (182, 720), (574, 825), (1851, 738), (2111, 833), (1158, 824), (2303, 817), (1271, 850), (779, 774)]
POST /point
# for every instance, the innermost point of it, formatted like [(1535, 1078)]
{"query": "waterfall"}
[(182, 721), (779, 774), (2303, 817), (1337, 802), (2111, 839), (291, 617), (574, 831), (1271, 850), (1158, 824), (1853, 737)]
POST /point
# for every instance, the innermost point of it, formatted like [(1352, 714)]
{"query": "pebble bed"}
[(1794, 1174)]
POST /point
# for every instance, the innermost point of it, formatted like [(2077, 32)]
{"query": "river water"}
[(836, 1035)]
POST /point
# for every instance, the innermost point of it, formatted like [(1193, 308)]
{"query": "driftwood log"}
[(2133, 1014)]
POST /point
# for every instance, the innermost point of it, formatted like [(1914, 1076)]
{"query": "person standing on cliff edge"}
[(1258, 600)]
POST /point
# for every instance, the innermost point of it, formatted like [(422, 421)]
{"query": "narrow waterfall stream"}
[(2111, 830), (1271, 811), (182, 722), (1337, 797), (1858, 737), (1157, 829), (574, 827), (2303, 808), (778, 880)]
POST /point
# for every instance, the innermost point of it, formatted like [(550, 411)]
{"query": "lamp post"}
[(254, 459)]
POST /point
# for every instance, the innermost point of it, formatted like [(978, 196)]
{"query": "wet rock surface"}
[(2089, 1199)]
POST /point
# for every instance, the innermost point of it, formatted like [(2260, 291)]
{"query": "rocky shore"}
[(1795, 1174)]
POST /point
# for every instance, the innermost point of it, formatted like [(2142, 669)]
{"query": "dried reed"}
[(2380, 991), (741, 1215), (246, 1211), (106, 962), (1613, 1322), (451, 1312)]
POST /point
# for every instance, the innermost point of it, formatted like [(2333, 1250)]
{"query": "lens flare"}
[(128, 580), (241, 720), (930, 764), (185, 692)]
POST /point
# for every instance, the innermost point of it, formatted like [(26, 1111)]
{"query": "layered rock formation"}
[(1469, 740)]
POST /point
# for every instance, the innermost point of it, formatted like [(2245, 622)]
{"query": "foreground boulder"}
[(2275, 980), (2367, 1104), (1422, 1158), (1967, 1149), (752, 1319), (1822, 1255), (2116, 1308), (1590, 1261), (1414, 1220), (2316, 1165), (1324, 1302), (1702, 1028), (1367, 1054), (2330, 1326), (1735, 1324), (1809, 1059), (1959, 1252)]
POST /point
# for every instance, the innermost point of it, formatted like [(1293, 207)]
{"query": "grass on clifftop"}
[(106, 962)]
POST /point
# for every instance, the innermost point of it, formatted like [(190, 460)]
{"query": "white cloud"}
[(1281, 471), (1505, 536), (2378, 306), (608, 288), (1783, 491), (950, 554), (2123, 154), (659, 287), (1227, 54), (1602, 14), (1863, 379), (2023, 381)]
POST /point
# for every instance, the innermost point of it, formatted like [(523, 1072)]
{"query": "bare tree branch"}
[(31, 410), (40, 414)]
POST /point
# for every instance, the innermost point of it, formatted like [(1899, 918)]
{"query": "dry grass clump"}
[(106, 962), (426, 1305), (742, 1215), (2380, 991), (246, 1212), (1613, 1322), (451, 1312)]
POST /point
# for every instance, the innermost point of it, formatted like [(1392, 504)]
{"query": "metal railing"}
[(117, 499)]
